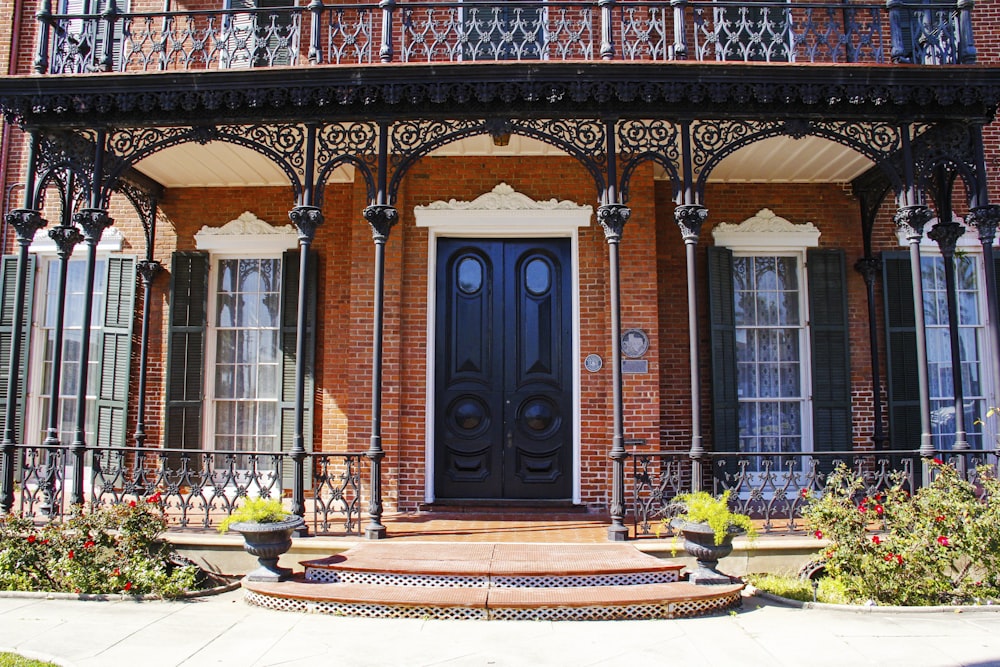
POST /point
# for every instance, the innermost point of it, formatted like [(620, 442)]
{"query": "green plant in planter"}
[(702, 507), (256, 510)]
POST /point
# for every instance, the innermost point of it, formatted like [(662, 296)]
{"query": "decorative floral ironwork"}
[(382, 219), (346, 143), (911, 220), (307, 220), (985, 219)]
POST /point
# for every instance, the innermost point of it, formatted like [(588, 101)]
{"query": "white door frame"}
[(501, 213)]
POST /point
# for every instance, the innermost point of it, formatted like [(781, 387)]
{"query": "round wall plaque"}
[(593, 363), (634, 343)]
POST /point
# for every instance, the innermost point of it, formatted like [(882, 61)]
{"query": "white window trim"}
[(501, 213), (111, 241), (244, 237), (768, 235)]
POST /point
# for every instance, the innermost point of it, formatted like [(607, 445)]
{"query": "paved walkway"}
[(223, 630)]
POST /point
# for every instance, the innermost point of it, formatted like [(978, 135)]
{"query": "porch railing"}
[(476, 30), (195, 489), (772, 488)]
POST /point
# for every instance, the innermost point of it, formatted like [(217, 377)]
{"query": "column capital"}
[(307, 220), (911, 220), (946, 235), (869, 268), (985, 219), (147, 270), (65, 238), (613, 218), (382, 218), (93, 222), (690, 217), (26, 222)]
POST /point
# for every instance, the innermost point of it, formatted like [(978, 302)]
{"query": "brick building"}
[(543, 239)]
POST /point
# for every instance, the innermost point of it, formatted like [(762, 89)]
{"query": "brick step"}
[(644, 601), (500, 565)]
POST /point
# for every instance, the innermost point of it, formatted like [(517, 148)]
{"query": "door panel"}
[(503, 427)]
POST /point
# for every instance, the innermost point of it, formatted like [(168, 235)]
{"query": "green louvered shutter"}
[(289, 315), (831, 368), (8, 278), (186, 349), (725, 394), (115, 349), (901, 348)]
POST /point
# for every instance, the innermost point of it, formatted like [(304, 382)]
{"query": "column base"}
[(375, 532), (617, 533)]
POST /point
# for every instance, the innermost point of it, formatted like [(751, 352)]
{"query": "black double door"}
[(503, 386)]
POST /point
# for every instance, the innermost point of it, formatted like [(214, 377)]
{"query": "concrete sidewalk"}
[(223, 630)]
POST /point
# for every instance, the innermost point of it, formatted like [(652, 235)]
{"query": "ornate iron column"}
[(613, 218), (93, 222), (382, 218), (689, 218), (910, 220), (946, 234), (307, 220), (66, 237), (147, 270), (25, 222), (870, 268), (985, 219)]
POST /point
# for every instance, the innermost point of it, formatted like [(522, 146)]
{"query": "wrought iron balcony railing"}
[(930, 33)]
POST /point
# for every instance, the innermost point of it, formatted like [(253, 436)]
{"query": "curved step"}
[(645, 601), (488, 565)]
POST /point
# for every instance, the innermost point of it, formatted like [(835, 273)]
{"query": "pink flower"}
[(876, 539), (943, 541), (879, 509), (818, 534)]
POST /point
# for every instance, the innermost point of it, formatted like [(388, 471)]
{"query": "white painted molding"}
[(766, 231), (503, 211), (247, 233), (111, 241)]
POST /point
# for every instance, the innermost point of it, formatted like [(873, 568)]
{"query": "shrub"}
[(938, 546), (107, 549)]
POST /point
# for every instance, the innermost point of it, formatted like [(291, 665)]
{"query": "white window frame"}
[(246, 237), (768, 235)]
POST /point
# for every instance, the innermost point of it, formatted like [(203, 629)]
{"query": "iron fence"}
[(195, 489), (773, 488), (484, 30)]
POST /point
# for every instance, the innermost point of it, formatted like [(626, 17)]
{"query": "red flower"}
[(31, 539), (899, 559), (889, 557), (45, 541), (131, 503), (943, 541), (128, 585), (818, 534), (878, 496), (876, 539), (155, 498), (937, 461), (862, 508), (939, 518), (70, 554), (829, 554), (89, 544), (116, 572), (879, 509)]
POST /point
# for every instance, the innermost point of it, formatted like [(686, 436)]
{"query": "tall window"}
[(971, 337), (247, 329), (770, 341), (71, 348)]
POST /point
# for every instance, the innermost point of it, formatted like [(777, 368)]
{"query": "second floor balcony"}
[(105, 38)]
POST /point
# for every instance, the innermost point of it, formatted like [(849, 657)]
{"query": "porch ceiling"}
[(780, 159)]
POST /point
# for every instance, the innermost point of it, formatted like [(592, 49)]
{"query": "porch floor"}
[(494, 527)]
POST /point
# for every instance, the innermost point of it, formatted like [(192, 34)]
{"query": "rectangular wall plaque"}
[(635, 366)]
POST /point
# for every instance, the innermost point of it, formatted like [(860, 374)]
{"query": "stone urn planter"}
[(267, 541), (699, 543)]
